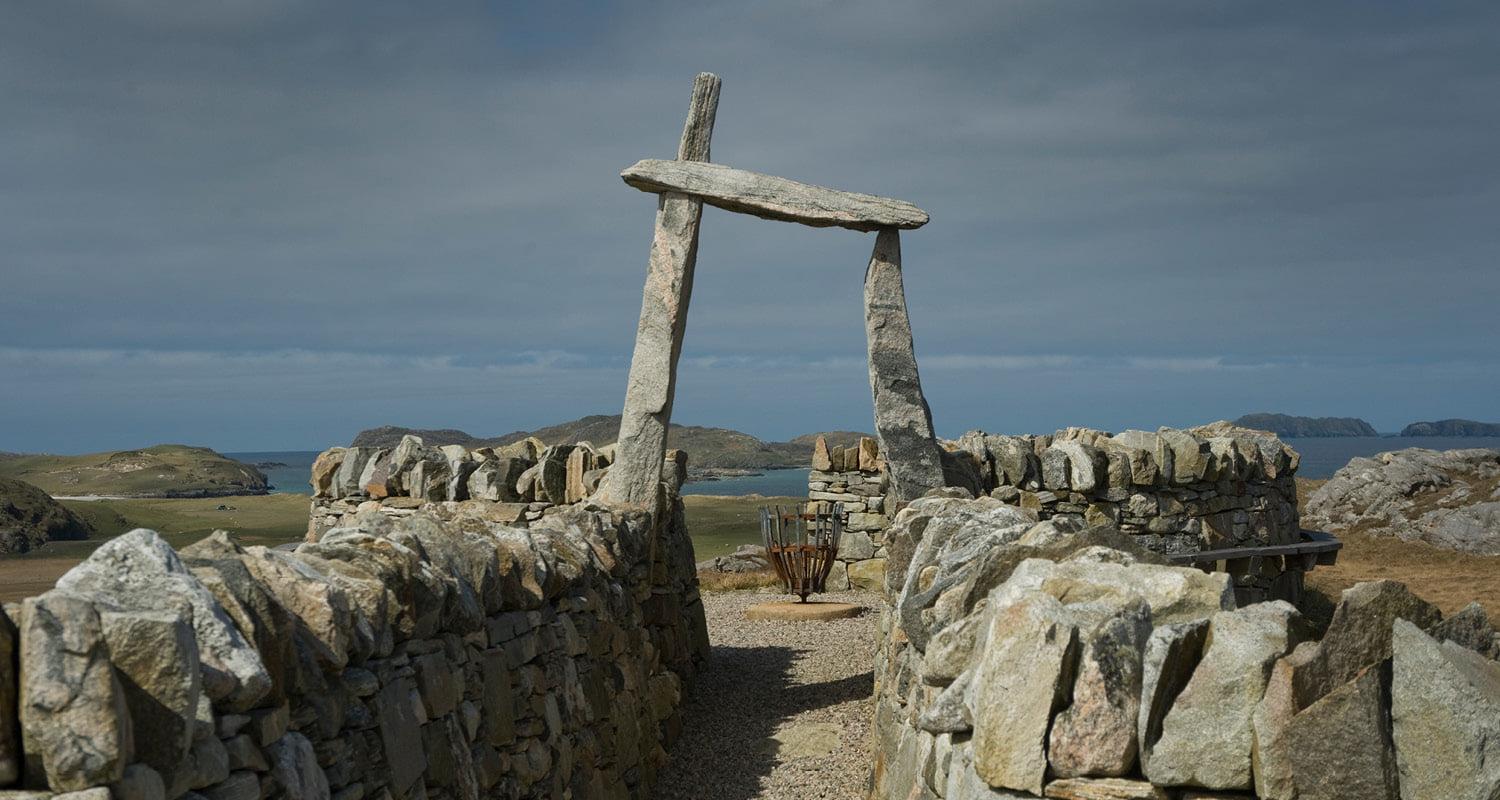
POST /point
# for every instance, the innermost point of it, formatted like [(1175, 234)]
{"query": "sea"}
[(1320, 459)]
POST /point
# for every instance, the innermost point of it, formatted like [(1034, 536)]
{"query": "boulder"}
[(1269, 760), (404, 458), (216, 561), (1096, 735), (398, 708), (1445, 718), (1359, 635), (156, 657), (324, 467), (460, 466), (1206, 736), (1340, 746), (320, 609), (139, 570), (74, 720), (10, 732), (822, 458), (494, 479), (1172, 654), (294, 765), (745, 558), (869, 455), (1471, 628), (1023, 677), (346, 481), (867, 575), (1415, 494), (374, 480), (140, 782), (1190, 456)]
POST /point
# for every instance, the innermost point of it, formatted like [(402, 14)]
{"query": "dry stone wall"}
[(853, 479), (1022, 658), (1173, 491), (516, 484), (434, 654)]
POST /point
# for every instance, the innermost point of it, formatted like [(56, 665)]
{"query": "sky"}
[(266, 224)]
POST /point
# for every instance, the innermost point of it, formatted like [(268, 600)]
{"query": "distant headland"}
[(1292, 427), (1452, 427)]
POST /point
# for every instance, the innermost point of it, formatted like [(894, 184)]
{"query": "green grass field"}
[(254, 519), (718, 524)]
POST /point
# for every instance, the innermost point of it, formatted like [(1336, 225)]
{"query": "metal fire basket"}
[(802, 545)]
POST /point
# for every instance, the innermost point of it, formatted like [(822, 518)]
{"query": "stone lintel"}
[(770, 197)]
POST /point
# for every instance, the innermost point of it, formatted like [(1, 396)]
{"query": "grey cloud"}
[(1161, 185)]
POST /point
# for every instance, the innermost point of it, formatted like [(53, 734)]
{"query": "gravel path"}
[(783, 709)]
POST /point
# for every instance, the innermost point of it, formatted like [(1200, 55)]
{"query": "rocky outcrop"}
[(1449, 499), (1452, 427), (29, 518), (745, 558), (438, 654), (1020, 658)]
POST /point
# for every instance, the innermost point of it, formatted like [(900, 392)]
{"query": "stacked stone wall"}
[(436, 654), (1022, 659), (512, 485), (853, 479), (1174, 491)]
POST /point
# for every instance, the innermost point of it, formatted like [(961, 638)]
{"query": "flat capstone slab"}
[(793, 611), (770, 197)]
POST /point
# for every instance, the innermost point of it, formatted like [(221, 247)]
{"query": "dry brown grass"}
[(21, 578), (1446, 578), (709, 581)]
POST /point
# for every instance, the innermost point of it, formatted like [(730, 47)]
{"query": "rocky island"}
[(1452, 427), (1293, 427)]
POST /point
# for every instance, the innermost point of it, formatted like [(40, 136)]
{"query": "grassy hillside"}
[(29, 518), (707, 448), (166, 470)]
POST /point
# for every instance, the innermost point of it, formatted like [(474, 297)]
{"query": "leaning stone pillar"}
[(902, 419), (634, 476)]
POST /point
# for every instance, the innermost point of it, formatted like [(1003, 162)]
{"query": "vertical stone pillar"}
[(902, 419), (634, 476)]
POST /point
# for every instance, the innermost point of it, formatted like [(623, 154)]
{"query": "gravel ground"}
[(783, 709)]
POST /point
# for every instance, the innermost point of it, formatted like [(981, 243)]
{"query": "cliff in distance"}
[(1288, 426), (1452, 427)]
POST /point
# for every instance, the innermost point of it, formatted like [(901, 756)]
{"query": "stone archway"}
[(903, 420)]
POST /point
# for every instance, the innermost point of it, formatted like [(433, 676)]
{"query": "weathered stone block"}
[(1023, 678), (868, 575), (10, 730), (73, 716), (1445, 715), (1096, 734), (1207, 737)]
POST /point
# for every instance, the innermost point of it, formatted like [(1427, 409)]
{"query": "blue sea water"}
[(1323, 457), (290, 479), (1320, 459)]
